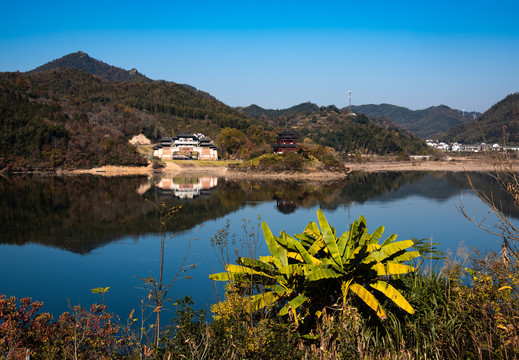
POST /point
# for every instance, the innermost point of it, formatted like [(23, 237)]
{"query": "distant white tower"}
[(349, 105)]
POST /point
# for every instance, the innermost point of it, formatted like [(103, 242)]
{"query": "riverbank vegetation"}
[(308, 157)]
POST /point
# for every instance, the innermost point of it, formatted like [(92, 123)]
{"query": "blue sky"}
[(464, 54)]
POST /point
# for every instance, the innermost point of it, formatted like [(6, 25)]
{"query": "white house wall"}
[(204, 153)]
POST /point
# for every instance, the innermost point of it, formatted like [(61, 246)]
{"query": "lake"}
[(63, 236)]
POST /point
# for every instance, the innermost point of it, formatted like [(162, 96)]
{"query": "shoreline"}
[(369, 166), (449, 165)]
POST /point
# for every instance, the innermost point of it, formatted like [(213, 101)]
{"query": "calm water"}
[(62, 236)]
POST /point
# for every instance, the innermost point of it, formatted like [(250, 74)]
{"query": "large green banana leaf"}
[(257, 265), (388, 250), (329, 238), (393, 294), (276, 250), (233, 270), (392, 269), (368, 298), (324, 272), (293, 305), (299, 251)]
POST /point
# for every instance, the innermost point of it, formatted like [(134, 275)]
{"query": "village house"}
[(481, 147), (186, 147)]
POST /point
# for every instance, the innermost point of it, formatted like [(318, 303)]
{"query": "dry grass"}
[(219, 168)]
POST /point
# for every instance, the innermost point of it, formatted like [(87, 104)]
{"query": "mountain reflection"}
[(81, 213)]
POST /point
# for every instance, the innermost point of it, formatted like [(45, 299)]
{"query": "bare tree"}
[(506, 176)]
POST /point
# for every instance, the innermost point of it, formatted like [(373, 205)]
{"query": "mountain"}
[(256, 111), (63, 117), (345, 132), (351, 134), (427, 123), (82, 61), (500, 122)]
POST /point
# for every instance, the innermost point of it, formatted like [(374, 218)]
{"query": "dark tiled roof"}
[(285, 146), (185, 135), (287, 135)]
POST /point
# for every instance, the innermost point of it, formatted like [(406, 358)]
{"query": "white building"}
[(186, 147)]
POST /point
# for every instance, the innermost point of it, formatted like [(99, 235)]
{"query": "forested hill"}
[(82, 61), (330, 126), (426, 123), (80, 112), (500, 122), (65, 117), (259, 112)]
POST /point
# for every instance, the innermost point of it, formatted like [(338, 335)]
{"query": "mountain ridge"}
[(82, 61), (340, 129), (498, 124), (257, 111), (430, 122)]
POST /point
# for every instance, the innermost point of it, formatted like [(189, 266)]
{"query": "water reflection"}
[(286, 206), (91, 231), (81, 213), (187, 187), (77, 213)]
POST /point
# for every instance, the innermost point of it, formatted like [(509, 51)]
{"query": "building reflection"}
[(286, 206), (187, 188)]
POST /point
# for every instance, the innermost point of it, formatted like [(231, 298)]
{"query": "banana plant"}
[(357, 263), (317, 269)]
